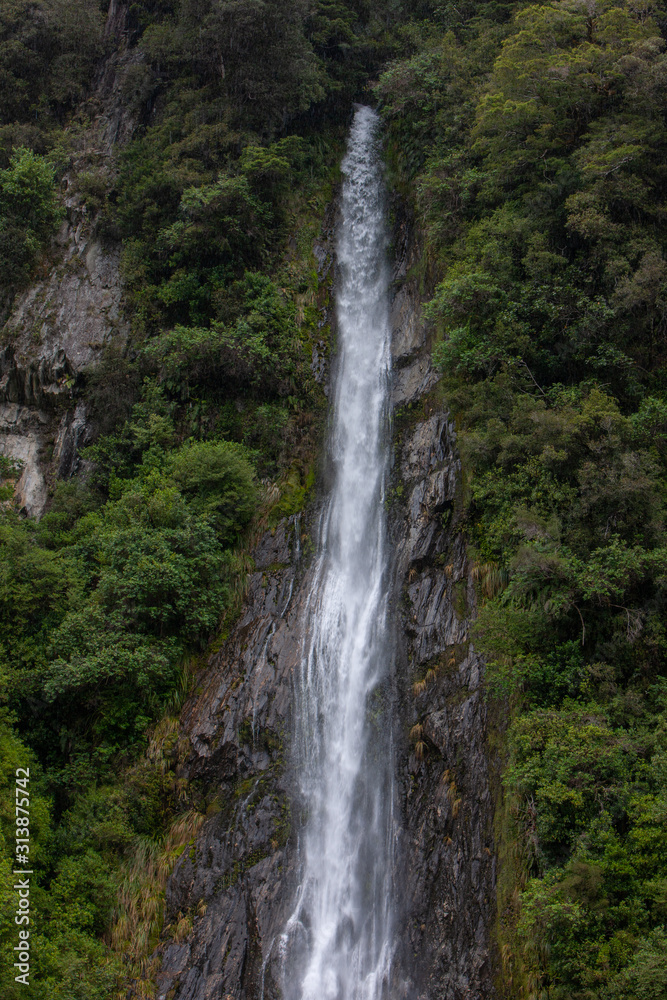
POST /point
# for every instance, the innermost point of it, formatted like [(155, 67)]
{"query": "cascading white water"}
[(337, 944)]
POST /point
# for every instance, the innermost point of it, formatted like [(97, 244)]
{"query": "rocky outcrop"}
[(239, 875), (60, 325), (238, 881), (57, 329), (447, 880), (413, 376), (449, 890)]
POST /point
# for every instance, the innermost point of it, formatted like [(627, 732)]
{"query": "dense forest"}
[(527, 144), (535, 150)]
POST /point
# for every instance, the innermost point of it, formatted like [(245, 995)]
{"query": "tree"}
[(29, 214)]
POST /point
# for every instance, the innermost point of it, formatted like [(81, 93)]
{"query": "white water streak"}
[(337, 944)]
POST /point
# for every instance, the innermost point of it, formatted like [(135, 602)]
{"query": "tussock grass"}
[(139, 915)]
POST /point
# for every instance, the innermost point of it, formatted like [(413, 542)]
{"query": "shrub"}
[(29, 214)]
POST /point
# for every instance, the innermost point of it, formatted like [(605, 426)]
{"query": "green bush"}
[(29, 214), (219, 482), (531, 147)]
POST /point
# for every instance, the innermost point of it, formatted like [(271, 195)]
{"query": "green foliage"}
[(537, 210), (167, 579), (646, 976), (238, 109), (80, 860), (203, 192), (47, 53), (533, 151), (101, 602), (112, 604), (14, 754), (220, 483), (260, 352), (29, 214), (36, 585)]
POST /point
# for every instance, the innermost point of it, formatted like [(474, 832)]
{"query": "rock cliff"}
[(56, 330), (237, 882), (59, 326), (448, 887)]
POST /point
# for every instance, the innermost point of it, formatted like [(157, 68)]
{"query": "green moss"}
[(460, 599), (238, 870), (282, 824)]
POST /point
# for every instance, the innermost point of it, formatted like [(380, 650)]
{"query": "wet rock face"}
[(446, 880), (60, 325), (448, 893), (238, 881), (412, 376)]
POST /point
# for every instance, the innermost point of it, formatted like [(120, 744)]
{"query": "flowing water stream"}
[(338, 942)]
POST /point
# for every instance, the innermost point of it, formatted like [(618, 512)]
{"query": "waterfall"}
[(338, 942)]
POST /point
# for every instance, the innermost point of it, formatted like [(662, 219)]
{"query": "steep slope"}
[(58, 327), (151, 700), (532, 143), (238, 881)]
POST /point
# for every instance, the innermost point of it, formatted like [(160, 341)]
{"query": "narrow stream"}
[(338, 942)]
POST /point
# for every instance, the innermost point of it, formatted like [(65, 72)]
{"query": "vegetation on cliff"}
[(206, 421), (530, 141), (533, 147)]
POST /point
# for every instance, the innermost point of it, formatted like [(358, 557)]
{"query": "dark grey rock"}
[(240, 879), (73, 434), (407, 327), (412, 382)]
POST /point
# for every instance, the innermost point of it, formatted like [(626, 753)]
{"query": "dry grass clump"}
[(416, 734), (489, 577), (139, 910)]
